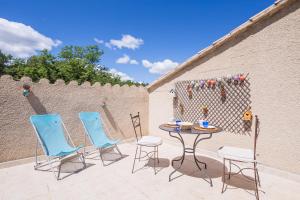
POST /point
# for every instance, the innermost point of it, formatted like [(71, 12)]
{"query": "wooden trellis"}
[(226, 113)]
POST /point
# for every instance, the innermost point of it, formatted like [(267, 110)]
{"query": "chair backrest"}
[(49, 130), (136, 123), (93, 126), (256, 133)]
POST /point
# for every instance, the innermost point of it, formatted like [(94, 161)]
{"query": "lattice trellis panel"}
[(227, 113)]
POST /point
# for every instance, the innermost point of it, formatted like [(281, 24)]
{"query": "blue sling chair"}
[(93, 127), (57, 147)]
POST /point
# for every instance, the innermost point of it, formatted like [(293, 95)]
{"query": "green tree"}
[(72, 63), (41, 66), (4, 59), (90, 54)]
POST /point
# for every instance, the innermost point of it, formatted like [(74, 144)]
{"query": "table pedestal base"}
[(192, 151)]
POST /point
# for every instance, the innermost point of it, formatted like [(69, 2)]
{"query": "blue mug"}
[(177, 124), (205, 124)]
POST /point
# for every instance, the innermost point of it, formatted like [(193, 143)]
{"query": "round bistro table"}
[(177, 133)]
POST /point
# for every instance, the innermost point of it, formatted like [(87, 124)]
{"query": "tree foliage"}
[(71, 63)]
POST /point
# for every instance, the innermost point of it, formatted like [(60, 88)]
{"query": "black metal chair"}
[(145, 142), (235, 154)]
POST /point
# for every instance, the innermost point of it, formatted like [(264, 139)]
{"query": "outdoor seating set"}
[(58, 146), (232, 155)]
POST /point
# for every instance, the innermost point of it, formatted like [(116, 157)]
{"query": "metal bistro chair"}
[(235, 154), (144, 141)]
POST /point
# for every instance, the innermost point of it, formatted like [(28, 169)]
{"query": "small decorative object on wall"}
[(173, 91), (181, 108), (192, 84), (26, 90), (236, 79), (213, 83), (202, 84), (228, 79), (103, 104), (219, 81), (247, 116), (190, 91), (242, 78), (223, 93), (208, 83), (205, 110), (197, 86), (175, 97)]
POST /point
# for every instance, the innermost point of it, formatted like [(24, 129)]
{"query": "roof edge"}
[(269, 11)]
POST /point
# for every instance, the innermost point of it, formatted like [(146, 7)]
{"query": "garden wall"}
[(17, 137), (269, 52)]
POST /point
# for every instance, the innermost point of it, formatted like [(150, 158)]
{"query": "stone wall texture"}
[(17, 137), (270, 52)]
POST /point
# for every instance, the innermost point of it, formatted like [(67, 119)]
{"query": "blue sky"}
[(157, 34)]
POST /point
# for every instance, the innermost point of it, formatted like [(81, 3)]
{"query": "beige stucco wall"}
[(270, 52), (17, 137)]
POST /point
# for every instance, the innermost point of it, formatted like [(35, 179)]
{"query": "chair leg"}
[(134, 159), (229, 175), (52, 170), (223, 177), (157, 154), (119, 150), (256, 182), (100, 151), (84, 153), (140, 153), (58, 173), (36, 159), (83, 160), (258, 179), (154, 159)]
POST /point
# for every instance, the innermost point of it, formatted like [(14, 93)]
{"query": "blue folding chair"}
[(93, 127), (55, 144)]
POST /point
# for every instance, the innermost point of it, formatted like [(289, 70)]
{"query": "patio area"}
[(234, 101), (116, 181)]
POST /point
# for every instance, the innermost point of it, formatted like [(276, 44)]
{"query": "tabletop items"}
[(179, 125), (200, 128)]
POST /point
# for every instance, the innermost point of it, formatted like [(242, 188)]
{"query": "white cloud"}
[(125, 59), (98, 41), (124, 76), (159, 67), (127, 41), (108, 45), (133, 62), (21, 40)]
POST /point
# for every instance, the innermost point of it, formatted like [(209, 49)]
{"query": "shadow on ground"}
[(109, 156), (189, 167), (214, 170), (69, 168), (239, 181), (159, 165)]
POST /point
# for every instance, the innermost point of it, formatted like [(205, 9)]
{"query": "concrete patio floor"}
[(116, 181)]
